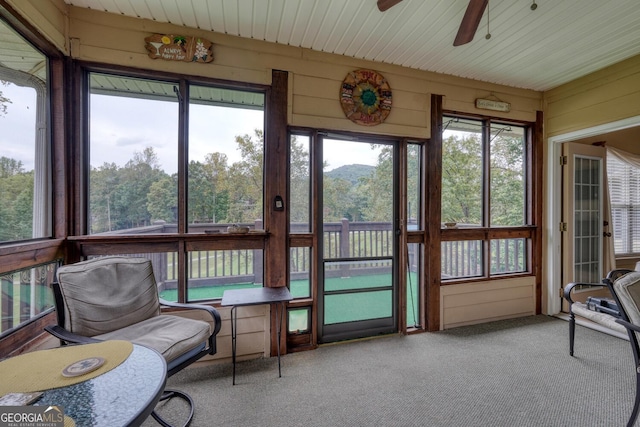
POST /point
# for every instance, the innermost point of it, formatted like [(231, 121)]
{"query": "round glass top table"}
[(123, 396)]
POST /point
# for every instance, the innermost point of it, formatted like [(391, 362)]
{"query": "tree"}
[(507, 181), (245, 180), (103, 183), (16, 201), (378, 189), (462, 179), (337, 200), (4, 100), (162, 199), (10, 167), (299, 183), (216, 170), (119, 196)]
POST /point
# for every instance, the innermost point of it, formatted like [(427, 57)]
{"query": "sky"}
[(121, 127), (17, 127)]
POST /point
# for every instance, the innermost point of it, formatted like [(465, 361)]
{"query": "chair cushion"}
[(604, 319), (107, 294), (169, 335)]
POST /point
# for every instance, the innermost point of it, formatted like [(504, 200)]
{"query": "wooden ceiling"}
[(537, 49)]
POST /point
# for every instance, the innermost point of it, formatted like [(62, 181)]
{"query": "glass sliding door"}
[(358, 272)]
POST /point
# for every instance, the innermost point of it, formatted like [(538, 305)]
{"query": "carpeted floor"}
[(509, 373)]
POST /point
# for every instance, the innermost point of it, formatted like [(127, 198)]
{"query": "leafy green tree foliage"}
[(162, 199), (208, 189), (507, 181), (413, 183), (462, 179), (4, 101), (104, 181), (378, 189), (245, 180), (299, 183), (337, 200), (10, 167), (16, 201), (347, 191), (119, 196)]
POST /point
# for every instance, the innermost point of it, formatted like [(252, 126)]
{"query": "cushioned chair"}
[(117, 298), (577, 308), (626, 291)]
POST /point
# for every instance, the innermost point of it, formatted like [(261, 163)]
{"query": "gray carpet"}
[(509, 373)]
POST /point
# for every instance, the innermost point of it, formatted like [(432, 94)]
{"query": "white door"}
[(582, 214)]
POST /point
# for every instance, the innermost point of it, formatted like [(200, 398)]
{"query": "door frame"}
[(375, 326), (553, 252)]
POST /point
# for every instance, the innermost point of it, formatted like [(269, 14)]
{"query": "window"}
[(153, 173), (25, 211), (484, 187), (300, 183), (135, 150), (226, 147), (133, 155), (26, 293), (414, 207), (624, 189)]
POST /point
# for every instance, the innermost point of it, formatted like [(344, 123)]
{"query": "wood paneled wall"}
[(605, 96)]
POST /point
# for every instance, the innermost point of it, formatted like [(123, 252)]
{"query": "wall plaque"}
[(179, 48), (490, 104), (365, 97)]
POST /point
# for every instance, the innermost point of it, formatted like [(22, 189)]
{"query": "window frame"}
[(628, 207), (182, 242), (485, 232), (29, 253)]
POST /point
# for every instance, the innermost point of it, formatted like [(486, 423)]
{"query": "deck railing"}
[(26, 293), (342, 239)]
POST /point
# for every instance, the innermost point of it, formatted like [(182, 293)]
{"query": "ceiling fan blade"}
[(470, 21), (386, 4)]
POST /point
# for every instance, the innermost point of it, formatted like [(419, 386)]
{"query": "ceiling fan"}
[(470, 20)]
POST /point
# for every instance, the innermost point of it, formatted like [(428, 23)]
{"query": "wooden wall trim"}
[(28, 254), (26, 336)]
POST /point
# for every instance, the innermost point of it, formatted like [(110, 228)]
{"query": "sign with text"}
[(31, 416), (179, 48), (489, 104)]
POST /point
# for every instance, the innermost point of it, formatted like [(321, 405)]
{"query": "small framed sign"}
[(490, 104), (179, 48)]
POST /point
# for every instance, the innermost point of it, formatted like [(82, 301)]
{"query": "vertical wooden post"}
[(535, 215), (432, 194), (276, 168)]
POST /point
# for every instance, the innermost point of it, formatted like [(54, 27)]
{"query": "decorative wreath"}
[(365, 97)]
